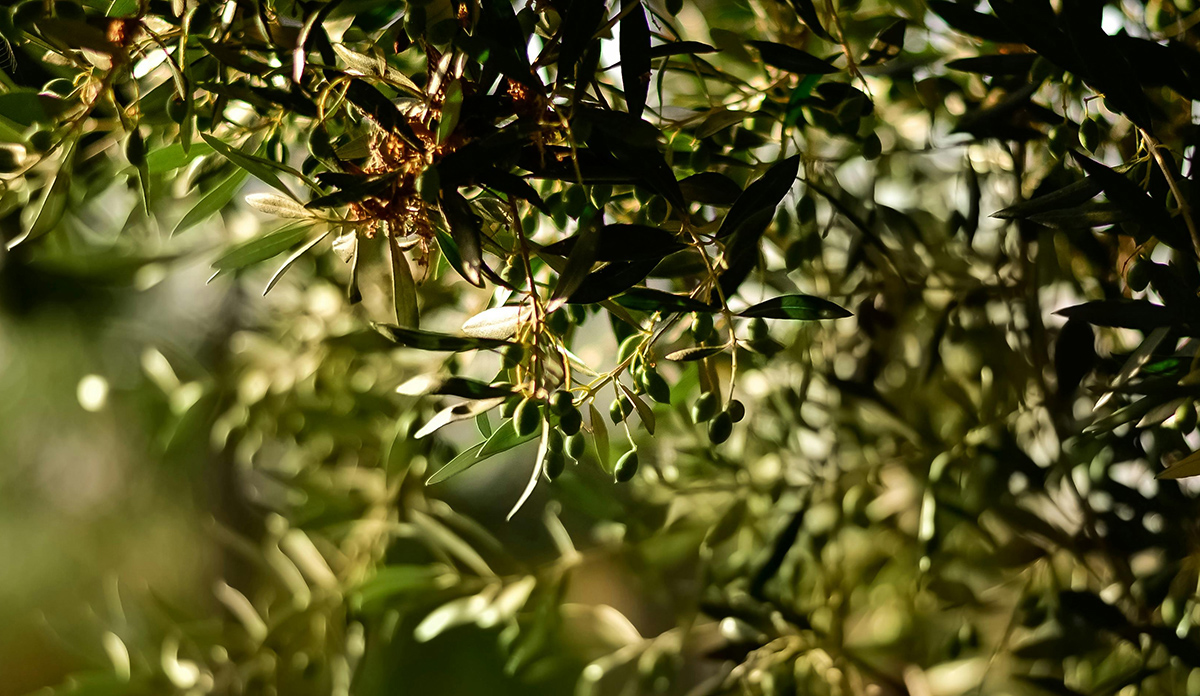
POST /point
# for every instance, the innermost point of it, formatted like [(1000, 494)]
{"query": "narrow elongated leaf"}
[(261, 168), (453, 385), (174, 156), (808, 14), (651, 300), (613, 279), (539, 464), (1125, 194), (504, 439), (455, 413), (999, 64), (1069, 196), (279, 206), (431, 340), (497, 322), (381, 111), (404, 287), (354, 190), (645, 412), (599, 436), (579, 25), (263, 248), (45, 214), (580, 261), (624, 243), (464, 230), (791, 59), (635, 56), (966, 20), (710, 188), (1184, 468), (680, 48), (761, 196), (887, 44), (293, 258), (512, 185), (801, 307), (212, 202), (1126, 314), (694, 353)]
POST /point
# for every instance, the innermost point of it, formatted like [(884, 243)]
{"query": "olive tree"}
[(846, 346)]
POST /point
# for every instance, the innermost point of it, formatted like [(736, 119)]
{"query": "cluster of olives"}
[(1062, 139), (707, 409), (564, 439)]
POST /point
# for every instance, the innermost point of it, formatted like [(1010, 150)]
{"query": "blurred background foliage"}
[(977, 484)]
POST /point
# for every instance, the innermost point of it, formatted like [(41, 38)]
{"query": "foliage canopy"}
[(854, 339)]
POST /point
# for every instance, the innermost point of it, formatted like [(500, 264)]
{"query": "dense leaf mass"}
[(637, 346)]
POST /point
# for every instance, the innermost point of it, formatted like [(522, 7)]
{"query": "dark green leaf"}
[(354, 188), (385, 114), (635, 56), (802, 307), (960, 16), (887, 44), (1069, 196), (651, 300), (624, 243), (807, 12), (262, 168), (212, 202), (792, 59), (581, 258), (710, 188), (679, 48), (580, 24), (464, 230), (263, 248), (430, 340), (611, 280), (1016, 64), (761, 198), (1127, 314)]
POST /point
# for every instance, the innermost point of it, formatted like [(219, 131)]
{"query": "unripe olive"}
[(554, 441), (806, 210), (758, 329), (1089, 134), (135, 148), (626, 467), (561, 401), (60, 86), (508, 408), (872, 148), (705, 407), (513, 355), (736, 411), (702, 326), (1185, 417), (674, 7), (1138, 276), (656, 386), (558, 321), (628, 347), (570, 421), (555, 462), (514, 272), (527, 418), (620, 409), (578, 313), (1060, 140), (575, 445), (720, 428), (176, 109)]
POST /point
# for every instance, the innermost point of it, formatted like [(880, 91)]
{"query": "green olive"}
[(570, 421), (656, 386), (720, 428), (627, 466), (527, 417), (736, 411), (555, 463), (575, 445), (705, 407)]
